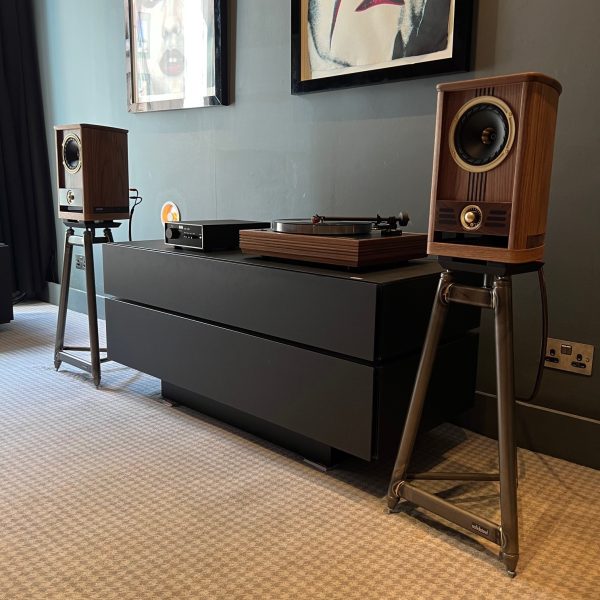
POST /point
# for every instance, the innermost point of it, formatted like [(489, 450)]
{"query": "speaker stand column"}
[(415, 410), (507, 451), (64, 298), (64, 353), (494, 294)]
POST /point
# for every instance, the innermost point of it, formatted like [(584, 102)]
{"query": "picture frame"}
[(176, 52), (318, 35)]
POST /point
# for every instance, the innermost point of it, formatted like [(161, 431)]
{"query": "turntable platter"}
[(307, 227)]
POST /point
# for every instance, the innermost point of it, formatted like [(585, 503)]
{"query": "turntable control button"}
[(171, 233)]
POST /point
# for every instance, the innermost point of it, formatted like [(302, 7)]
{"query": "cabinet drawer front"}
[(325, 398), (331, 313)]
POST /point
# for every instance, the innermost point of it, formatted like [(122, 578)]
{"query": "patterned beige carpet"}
[(110, 494)]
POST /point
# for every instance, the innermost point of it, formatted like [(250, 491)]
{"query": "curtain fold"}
[(26, 203)]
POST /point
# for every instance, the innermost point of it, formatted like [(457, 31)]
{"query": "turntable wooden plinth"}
[(352, 251)]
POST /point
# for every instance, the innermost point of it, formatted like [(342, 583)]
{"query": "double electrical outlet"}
[(569, 356)]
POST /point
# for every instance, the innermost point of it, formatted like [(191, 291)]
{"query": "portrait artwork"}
[(371, 41), (173, 51)]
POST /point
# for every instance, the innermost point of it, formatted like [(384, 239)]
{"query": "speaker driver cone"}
[(481, 134), (72, 153)]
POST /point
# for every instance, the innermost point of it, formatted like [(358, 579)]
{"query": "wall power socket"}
[(569, 356)]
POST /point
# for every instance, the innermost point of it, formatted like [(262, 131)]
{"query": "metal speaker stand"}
[(87, 239), (494, 294)]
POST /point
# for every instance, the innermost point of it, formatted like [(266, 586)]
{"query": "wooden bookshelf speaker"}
[(491, 168), (92, 172)]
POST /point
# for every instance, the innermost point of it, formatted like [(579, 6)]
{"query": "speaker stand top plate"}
[(488, 267)]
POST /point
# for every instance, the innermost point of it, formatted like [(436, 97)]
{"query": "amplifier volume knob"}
[(70, 197), (171, 233), (471, 218)]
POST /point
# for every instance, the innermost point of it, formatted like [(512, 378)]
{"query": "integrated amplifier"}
[(208, 235)]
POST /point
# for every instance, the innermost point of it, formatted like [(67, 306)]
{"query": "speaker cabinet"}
[(491, 168), (92, 172)]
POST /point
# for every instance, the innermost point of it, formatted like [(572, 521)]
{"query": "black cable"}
[(540, 371), (138, 200)]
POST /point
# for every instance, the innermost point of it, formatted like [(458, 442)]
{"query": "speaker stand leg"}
[(90, 284), (415, 409), (108, 235), (64, 299), (507, 452)]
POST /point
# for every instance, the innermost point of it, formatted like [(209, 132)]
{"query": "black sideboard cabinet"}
[(6, 308), (316, 359)]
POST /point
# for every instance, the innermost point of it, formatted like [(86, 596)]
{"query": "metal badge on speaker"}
[(92, 172), (492, 166)]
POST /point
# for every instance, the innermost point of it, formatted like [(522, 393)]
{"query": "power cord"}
[(540, 371), (137, 200)]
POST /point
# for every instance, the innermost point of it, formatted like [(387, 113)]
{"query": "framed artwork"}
[(176, 54), (346, 43)]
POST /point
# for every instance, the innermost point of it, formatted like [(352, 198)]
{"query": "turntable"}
[(342, 241)]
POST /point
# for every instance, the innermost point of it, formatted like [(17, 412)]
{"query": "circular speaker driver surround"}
[(481, 134), (71, 151)]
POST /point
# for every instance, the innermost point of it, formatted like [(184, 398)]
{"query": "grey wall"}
[(273, 155)]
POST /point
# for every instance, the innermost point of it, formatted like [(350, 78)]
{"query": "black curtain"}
[(26, 204)]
